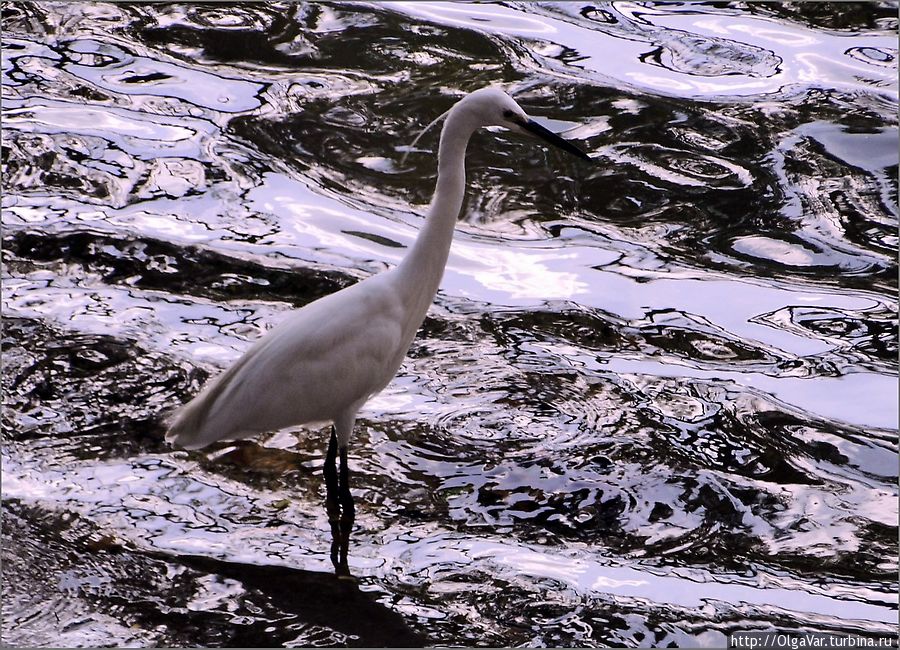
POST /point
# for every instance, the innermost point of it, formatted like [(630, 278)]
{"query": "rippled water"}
[(654, 403)]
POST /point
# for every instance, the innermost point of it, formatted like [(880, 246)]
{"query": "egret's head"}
[(493, 107)]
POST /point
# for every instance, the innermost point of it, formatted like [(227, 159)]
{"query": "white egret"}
[(325, 360)]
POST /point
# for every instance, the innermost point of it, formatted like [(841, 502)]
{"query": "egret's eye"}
[(508, 114)]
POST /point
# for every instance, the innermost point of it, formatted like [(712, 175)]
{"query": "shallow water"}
[(655, 401)]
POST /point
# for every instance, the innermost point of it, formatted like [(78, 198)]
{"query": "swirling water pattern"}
[(654, 403)]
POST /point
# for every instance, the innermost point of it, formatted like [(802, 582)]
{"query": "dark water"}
[(654, 403)]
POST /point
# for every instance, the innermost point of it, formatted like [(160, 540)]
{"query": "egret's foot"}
[(348, 514), (335, 552), (332, 505), (339, 506)]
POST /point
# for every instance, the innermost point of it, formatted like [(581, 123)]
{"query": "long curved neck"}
[(422, 268)]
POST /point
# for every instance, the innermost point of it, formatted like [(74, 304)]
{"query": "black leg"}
[(348, 514), (332, 506)]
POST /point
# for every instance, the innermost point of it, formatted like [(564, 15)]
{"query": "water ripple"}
[(655, 402)]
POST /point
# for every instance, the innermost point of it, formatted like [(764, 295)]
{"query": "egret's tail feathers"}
[(186, 427), (193, 425)]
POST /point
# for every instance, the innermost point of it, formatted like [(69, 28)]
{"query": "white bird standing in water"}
[(325, 360)]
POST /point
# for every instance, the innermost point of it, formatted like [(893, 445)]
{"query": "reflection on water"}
[(654, 403)]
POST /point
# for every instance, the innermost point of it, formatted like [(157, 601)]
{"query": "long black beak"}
[(549, 136)]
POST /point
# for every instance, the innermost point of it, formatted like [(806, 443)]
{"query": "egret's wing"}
[(322, 360)]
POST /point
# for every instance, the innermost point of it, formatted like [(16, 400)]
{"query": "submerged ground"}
[(654, 403)]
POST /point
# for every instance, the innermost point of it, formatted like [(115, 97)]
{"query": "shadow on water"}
[(317, 598), (191, 598)]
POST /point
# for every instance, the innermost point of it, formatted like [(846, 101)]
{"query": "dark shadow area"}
[(318, 598), (62, 572)]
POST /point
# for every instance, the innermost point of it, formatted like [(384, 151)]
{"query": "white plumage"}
[(319, 365), (325, 360)]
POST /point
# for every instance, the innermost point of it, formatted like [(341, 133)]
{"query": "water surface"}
[(655, 401)]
